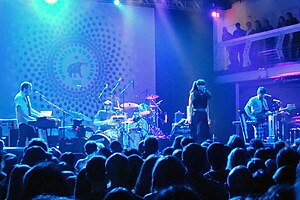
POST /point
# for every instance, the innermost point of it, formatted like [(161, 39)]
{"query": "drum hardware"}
[(129, 105)]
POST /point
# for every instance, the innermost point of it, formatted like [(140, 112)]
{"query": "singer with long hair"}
[(197, 111), (25, 113)]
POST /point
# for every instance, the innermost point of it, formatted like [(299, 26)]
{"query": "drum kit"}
[(127, 130)]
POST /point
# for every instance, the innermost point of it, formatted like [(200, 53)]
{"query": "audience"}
[(185, 170)]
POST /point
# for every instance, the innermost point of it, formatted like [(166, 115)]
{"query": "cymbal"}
[(129, 105), (79, 116), (152, 97)]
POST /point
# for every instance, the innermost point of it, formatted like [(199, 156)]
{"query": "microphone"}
[(39, 94), (119, 80), (267, 95)]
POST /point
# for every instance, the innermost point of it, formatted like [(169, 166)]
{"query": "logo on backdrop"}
[(74, 63)]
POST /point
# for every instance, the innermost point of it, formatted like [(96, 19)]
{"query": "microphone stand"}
[(123, 100), (65, 113), (115, 87)]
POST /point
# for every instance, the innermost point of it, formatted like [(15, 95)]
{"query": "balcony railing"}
[(260, 50)]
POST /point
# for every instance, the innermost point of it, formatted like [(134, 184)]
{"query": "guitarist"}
[(257, 109), (25, 113)]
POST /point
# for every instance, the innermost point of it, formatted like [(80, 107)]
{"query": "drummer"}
[(103, 118)]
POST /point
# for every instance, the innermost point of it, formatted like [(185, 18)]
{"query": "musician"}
[(103, 117), (197, 112), (25, 113), (257, 109)]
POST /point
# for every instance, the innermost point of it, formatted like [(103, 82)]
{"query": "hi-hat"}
[(129, 105), (152, 97)]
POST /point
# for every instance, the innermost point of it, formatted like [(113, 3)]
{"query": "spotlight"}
[(215, 14), (117, 2), (51, 1)]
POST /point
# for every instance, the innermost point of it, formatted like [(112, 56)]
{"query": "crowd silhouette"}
[(184, 170)]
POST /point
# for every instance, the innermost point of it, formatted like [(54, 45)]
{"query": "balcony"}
[(265, 55)]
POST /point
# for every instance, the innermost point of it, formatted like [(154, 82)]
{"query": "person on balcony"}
[(295, 45), (239, 32)]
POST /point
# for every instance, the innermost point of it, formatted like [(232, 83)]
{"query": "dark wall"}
[(184, 53)]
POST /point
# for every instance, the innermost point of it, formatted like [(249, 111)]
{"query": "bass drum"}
[(135, 132), (100, 138), (112, 134)]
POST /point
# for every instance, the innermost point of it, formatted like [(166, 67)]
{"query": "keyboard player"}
[(25, 113)]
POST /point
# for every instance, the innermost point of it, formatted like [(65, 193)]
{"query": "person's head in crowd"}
[(176, 143), (285, 175), (34, 155), (258, 26), (297, 142), (117, 168), (116, 147), (194, 158), (217, 154), (255, 164), (10, 161), (251, 151), (238, 26), (141, 147), (135, 164), (271, 167), (281, 22), (167, 151), (278, 145), (44, 178), (256, 143), (50, 196), (186, 140), (2, 145), (177, 154), (240, 182), (262, 154), (167, 171), (150, 145), (236, 141), (289, 16), (69, 159), (15, 185), (143, 182), (177, 192), (129, 152), (262, 182), (287, 157), (266, 25), (83, 186), (280, 192), (237, 156), (119, 193), (55, 152), (37, 142), (90, 147), (105, 152), (96, 174)]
